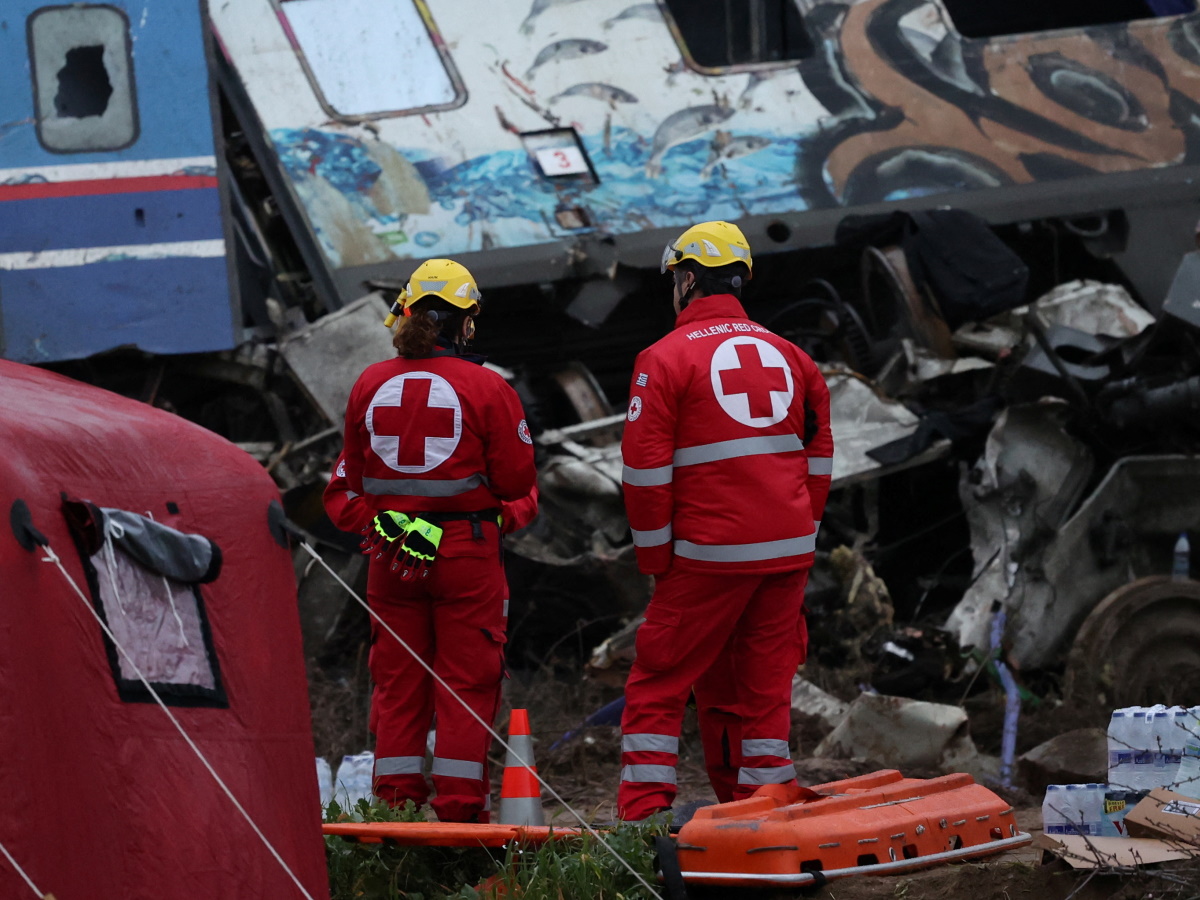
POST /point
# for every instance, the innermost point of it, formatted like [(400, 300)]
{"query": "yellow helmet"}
[(442, 278), (710, 244)]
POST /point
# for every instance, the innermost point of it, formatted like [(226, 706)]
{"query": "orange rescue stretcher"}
[(445, 834), (875, 824)]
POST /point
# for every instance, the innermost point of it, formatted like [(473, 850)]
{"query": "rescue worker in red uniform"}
[(435, 443), (728, 457)]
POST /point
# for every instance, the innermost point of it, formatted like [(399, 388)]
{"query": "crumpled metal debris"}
[(910, 735), (810, 700), (1091, 307), (1018, 494), (328, 355), (862, 418)]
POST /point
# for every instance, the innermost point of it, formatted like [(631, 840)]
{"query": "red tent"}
[(100, 796)]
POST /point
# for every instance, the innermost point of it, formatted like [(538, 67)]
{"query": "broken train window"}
[(83, 86), (982, 20), (356, 54), (717, 34), (145, 582)]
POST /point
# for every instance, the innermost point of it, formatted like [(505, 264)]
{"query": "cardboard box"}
[(1168, 816), (1109, 852)]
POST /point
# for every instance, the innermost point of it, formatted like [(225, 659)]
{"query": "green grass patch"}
[(579, 868)]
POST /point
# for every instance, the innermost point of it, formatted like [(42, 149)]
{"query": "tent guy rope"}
[(316, 556), (29, 881), (52, 557)]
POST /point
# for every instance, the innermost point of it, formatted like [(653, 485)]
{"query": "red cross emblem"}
[(754, 379), (410, 433)]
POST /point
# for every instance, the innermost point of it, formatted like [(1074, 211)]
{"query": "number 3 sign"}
[(562, 161)]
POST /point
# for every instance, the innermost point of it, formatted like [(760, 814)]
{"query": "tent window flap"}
[(144, 579)]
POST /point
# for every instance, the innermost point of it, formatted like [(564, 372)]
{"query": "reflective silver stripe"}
[(657, 774), (350, 495), (655, 538), (755, 446), (766, 747), (816, 526), (506, 607), (457, 768), (423, 487), (820, 465), (646, 477), (398, 765), (767, 775), (747, 552), (487, 803), (656, 743)]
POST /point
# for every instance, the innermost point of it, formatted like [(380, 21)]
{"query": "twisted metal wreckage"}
[(1041, 460)]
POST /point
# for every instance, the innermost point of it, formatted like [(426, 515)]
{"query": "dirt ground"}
[(585, 771)]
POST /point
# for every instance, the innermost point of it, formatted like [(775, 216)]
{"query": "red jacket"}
[(441, 434), (727, 448)]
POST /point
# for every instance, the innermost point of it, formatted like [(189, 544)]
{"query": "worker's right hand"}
[(381, 531)]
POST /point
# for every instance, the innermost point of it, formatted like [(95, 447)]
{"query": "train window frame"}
[(790, 62), (436, 41), (44, 103), (1009, 33)]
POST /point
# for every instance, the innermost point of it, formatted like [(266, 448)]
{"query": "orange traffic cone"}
[(520, 793)]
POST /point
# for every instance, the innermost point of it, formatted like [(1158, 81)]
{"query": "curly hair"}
[(416, 335)]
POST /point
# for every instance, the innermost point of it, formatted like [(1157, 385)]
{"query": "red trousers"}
[(454, 619), (736, 640)]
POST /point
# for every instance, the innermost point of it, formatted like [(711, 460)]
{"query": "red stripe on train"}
[(39, 189)]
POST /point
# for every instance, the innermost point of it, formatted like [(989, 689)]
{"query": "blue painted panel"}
[(107, 220), (162, 306), (170, 74)]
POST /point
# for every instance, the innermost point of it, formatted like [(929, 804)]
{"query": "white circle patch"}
[(752, 381), (415, 422), (635, 408), (523, 432)]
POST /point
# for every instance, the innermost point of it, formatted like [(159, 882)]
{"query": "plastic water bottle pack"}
[(354, 780), (324, 781), (1154, 747), (1074, 809)]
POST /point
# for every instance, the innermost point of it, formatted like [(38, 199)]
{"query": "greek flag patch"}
[(642, 379)]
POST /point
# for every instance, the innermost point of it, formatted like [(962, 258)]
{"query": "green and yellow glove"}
[(383, 530), (418, 549)]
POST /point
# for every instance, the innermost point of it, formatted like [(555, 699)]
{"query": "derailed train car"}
[(554, 146), (565, 142)]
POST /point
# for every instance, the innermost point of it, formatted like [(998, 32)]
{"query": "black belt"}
[(476, 518)]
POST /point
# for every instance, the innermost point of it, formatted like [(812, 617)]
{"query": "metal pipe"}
[(901, 865)]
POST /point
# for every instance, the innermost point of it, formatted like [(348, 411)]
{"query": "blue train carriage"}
[(111, 222), (547, 139)]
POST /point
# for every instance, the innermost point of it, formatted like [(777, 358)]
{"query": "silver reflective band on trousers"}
[(457, 768), (766, 747), (655, 743), (423, 487), (820, 465), (655, 538), (398, 765), (755, 446), (747, 552), (654, 774), (767, 775)]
